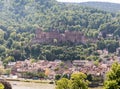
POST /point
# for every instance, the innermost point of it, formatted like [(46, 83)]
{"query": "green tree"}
[(2, 49), (62, 84), (113, 77), (89, 77), (101, 45), (1, 86), (57, 77), (8, 71), (35, 50), (9, 43), (78, 81), (9, 59)]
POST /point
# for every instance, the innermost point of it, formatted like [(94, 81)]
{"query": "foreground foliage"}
[(1, 86), (113, 77), (77, 81)]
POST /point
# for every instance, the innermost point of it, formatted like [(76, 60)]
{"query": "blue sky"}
[(113, 1)]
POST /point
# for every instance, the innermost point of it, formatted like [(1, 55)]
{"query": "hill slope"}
[(20, 18), (111, 7)]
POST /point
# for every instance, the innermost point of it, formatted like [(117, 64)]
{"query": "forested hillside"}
[(20, 18), (110, 7)]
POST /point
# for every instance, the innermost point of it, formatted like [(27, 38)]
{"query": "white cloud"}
[(114, 1)]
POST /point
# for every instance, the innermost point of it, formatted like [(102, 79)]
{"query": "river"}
[(28, 85), (25, 85)]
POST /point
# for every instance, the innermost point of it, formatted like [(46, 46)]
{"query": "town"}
[(50, 69)]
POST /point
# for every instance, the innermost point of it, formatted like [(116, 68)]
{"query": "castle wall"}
[(48, 37)]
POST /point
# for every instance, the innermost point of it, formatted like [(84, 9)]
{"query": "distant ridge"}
[(106, 6)]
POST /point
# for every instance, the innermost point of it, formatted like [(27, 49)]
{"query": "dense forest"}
[(20, 18), (110, 7)]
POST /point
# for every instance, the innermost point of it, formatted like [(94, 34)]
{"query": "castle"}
[(57, 37)]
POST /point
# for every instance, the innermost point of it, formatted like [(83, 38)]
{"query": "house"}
[(79, 62)]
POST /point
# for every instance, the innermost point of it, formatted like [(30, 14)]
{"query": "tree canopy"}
[(77, 81), (113, 77), (19, 19)]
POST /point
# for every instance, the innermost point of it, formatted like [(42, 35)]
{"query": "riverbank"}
[(31, 80), (30, 85)]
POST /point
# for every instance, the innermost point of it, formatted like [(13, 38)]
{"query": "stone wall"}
[(55, 36)]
